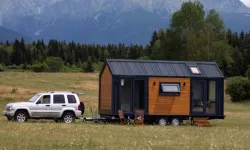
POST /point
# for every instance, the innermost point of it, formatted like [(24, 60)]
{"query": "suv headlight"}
[(11, 108), (7, 108)]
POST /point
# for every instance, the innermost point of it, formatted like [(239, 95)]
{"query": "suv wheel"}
[(21, 116), (68, 117)]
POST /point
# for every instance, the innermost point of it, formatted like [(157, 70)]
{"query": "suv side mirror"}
[(38, 102)]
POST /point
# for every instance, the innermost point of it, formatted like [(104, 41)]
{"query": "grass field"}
[(231, 133)]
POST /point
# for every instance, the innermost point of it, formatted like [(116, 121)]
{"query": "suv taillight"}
[(79, 107)]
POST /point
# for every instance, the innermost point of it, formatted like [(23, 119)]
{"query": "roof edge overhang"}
[(108, 61), (103, 67), (152, 76), (170, 61)]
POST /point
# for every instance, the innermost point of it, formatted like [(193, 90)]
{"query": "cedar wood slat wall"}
[(169, 105), (106, 90)]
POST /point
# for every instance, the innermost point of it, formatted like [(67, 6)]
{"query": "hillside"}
[(10, 35)]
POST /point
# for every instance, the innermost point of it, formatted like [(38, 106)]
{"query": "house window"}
[(170, 89), (195, 70)]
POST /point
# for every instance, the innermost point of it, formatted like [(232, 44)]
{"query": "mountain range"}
[(10, 35), (105, 21)]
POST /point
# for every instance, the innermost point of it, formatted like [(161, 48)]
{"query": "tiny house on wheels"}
[(167, 91)]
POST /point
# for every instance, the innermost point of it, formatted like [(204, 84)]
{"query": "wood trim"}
[(168, 105), (106, 90)]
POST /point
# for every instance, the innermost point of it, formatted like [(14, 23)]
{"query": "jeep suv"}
[(60, 106)]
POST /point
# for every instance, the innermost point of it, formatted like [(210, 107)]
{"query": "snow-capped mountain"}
[(102, 21)]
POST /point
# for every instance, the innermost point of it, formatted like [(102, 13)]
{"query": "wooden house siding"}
[(168, 105), (106, 90)]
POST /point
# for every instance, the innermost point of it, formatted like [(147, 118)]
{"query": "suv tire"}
[(9, 118), (68, 117), (21, 116), (57, 120)]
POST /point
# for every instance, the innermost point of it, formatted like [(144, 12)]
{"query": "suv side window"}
[(71, 99), (59, 99), (45, 99)]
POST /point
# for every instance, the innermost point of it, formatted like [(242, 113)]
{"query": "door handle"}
[(63, 105), (47, 105)]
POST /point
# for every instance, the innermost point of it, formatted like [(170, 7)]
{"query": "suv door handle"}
[(47, 105), (63, 105)]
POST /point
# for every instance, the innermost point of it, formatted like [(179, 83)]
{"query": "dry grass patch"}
[(88, 85), (16, 93), (23, 91), (46, 81)]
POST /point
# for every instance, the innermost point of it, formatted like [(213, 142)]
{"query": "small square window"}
[(71, 99), (169, 89), (59, 99), (195, 70)]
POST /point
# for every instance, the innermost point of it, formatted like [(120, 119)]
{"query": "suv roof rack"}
[(66, 92), (80, 93)]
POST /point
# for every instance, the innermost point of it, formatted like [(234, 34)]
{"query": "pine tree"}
[(7, 43), (29, 56), (229, 36), (242, 35), (79, 63), (23, 51), (154, 38), (16, 55), (89, 67), (238, 63)]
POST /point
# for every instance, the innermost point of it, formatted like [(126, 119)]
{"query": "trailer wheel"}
[(176, 121), (162, 121)]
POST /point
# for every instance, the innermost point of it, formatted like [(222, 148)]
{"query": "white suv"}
[(60, 106)]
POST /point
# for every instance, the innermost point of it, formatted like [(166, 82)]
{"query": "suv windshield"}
[(34, 98)]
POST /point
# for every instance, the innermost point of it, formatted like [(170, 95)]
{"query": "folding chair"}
[(139, 117), (122, 118)]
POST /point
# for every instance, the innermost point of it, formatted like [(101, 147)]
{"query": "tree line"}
[(72, 55), (192, 35)]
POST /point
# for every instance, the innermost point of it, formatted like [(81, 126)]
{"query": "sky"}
[(246, 2)]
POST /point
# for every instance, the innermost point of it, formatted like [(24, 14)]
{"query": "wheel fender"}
[(67, 109), (23, 108)]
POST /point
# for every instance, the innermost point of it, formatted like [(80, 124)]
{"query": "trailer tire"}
[(176, 121), (162, 121)]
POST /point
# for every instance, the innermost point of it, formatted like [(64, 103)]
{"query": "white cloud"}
[(246, 2)]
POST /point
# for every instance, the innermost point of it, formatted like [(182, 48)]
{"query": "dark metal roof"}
[(127, 67)]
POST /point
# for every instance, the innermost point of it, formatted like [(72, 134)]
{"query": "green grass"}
[(231, 133)]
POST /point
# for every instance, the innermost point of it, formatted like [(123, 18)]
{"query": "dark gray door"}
[(198, 96), (139, 96), (203, 97)]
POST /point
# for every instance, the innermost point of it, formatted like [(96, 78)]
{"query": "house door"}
[(139, 94), (132, 94), (203, 97)]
